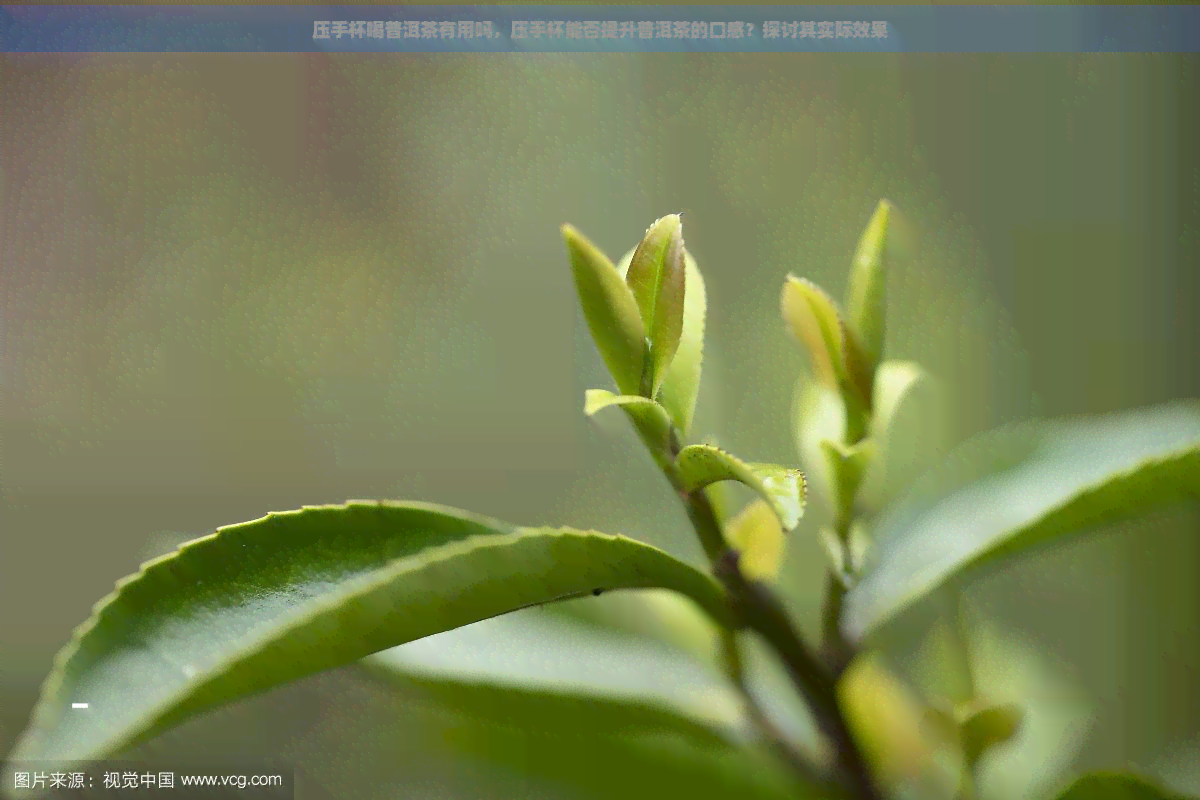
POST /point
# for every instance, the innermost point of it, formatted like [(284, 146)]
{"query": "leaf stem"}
[(834, 647), (761, 611), (779, 741), (837, 651)]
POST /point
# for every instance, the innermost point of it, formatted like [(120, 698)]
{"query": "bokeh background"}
[(241, 283)]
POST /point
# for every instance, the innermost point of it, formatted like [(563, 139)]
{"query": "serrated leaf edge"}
[(45, 711)]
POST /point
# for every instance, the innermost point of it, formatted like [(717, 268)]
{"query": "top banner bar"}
[(600, 29)]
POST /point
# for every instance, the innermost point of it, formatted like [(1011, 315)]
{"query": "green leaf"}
[(819, 415), (894, 383), (837, 356), (858, 374), (757, 536), (989, 728), (648, 417), (866, 297), (610, 311), (908, 428), (836, 551), (1029, 487), (813, 318), (653, 614), (264, 602), (593, 700), (845, 557), (700, 465), (681, 386), (847, 466), (599, 747), (724, 499), (1115, 786), (939, 724), (942, 659), (657, 277), (892, 724), (559, 649)]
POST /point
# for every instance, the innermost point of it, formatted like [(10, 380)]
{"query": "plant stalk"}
[(836, 650), (779, 742), (758, 609), (761, 611), (834, 647)]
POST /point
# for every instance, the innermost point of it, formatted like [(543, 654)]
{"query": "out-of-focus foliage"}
[(248, 283)]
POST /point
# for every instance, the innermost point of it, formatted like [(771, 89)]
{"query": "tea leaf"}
[(819, 415), (756, 534), (858, 373), (866, 298), (835, 352), (724, 500), (891, 723), (847, 466), (657, 278), (939, 724), (681, 386), (894, 382), (813, 318), (559, 650), (1115, 786), (907, 428), (700, 465), (655, 614), (265, 602), (1015, 490), (600, 746), (836, 551), (610, 311), (648, 417), (989, 728)]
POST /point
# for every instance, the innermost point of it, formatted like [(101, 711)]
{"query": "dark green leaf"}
[(600, 747), (1020, 489), (268, 601), (610, 311), (988, 728), (537, 675), (1115, 786)]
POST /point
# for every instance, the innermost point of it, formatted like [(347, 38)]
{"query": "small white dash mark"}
[(78, 705)]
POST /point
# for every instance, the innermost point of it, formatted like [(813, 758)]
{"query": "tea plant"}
[(264, 602)]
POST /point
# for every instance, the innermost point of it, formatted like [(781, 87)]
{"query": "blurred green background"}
[(242, 283)]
